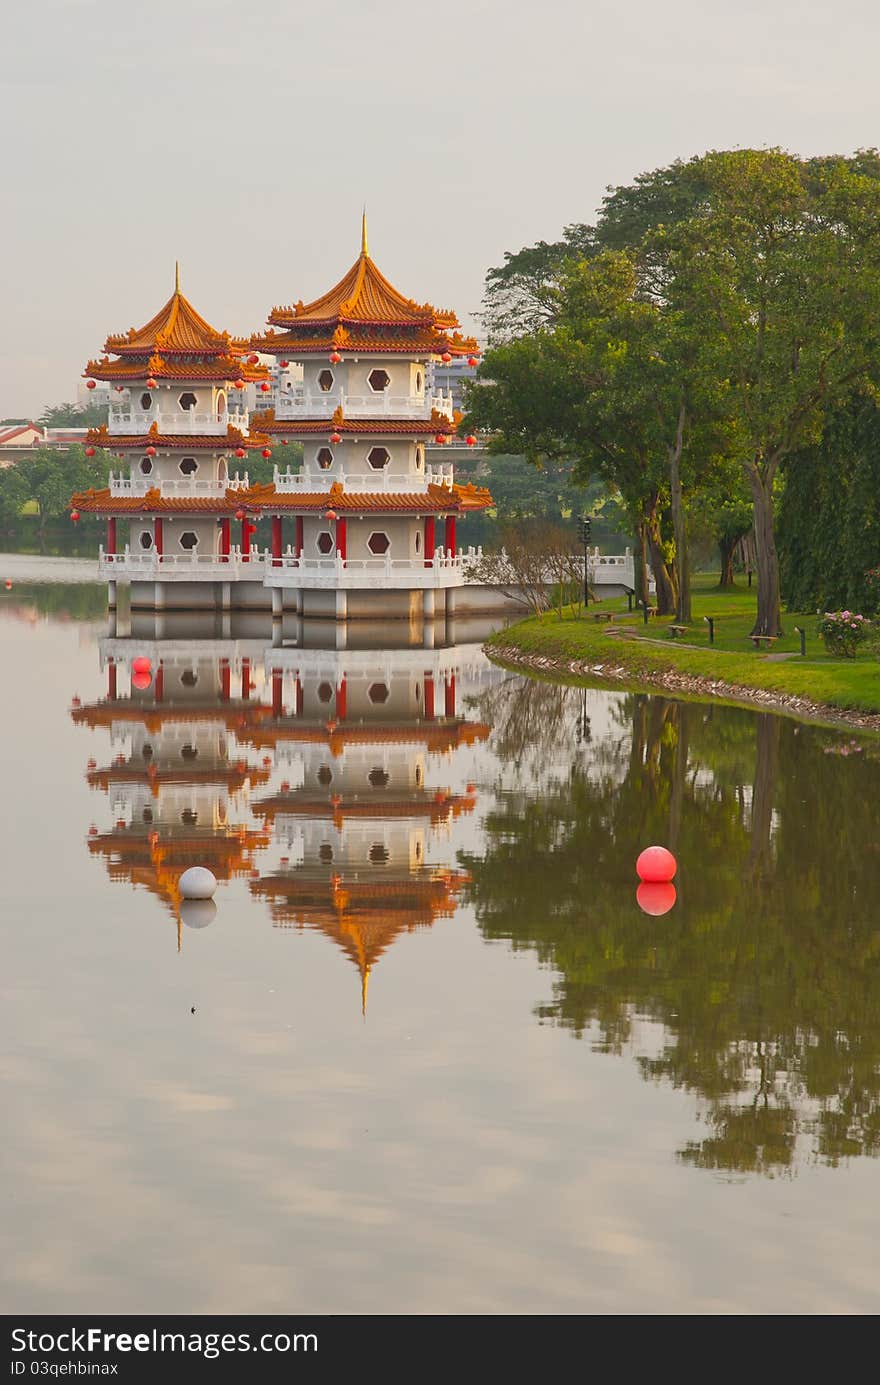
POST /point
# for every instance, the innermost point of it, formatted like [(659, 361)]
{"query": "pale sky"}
[(243, 139)]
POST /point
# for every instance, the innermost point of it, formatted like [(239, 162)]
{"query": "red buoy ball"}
[(656, 864), (142, 664), (141, 681), (8, 584), (655, 897)]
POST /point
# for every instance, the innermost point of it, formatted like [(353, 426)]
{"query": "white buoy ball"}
[(197, 913), (197, 883)]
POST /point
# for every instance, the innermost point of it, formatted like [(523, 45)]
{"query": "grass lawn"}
[(853, 684)]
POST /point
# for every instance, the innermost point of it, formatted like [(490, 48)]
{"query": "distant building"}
[(448, 378), (18, 440)]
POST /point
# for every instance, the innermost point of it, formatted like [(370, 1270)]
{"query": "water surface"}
[(430, 1055)]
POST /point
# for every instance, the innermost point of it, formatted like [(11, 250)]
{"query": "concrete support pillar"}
[(428, 634), (342, 634), (428, 603), (277, 603), (225, 596), (342, 605), (159, 596), (111, 595)]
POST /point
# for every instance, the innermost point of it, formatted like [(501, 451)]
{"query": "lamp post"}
[(586, 530)]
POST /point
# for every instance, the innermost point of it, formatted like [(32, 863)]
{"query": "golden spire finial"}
[(365, 249), (365, 981), (177, 276)]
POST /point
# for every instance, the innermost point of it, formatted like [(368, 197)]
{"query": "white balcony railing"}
[(294, 482), (345, 573), (179, 421), (150, 566), (176, 486), (302, 403)]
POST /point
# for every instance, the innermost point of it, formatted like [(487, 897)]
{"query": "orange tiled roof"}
[(228, 774), (363, 295), (235, 716), (214, 442), (221, 368), (438, 737), (435, 500), (358, 427), (435, 806), (364, 342)]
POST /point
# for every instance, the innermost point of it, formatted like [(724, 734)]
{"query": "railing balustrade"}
[(302, 403), (180, 421)]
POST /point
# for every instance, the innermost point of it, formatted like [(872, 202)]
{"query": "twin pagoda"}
[(367, 525)]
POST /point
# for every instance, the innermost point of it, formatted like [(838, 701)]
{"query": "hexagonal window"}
[(146, 401), (420, 457), (146, 539), (188, 752), (187, 400), (188, 466), (378, 380), (147, 752), (189, 817), (378, 778), (378, 543), (418, 382), (325, 543), (418, 542), (146, 465), (378, 693), (325, 692), (325, 853), (147, 815), (378, 457), (325, 775), (189, 678), (325, 381), (188, 540), (324, 458), (378, 854)]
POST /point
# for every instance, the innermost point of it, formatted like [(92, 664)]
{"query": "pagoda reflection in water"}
[(331, 779)]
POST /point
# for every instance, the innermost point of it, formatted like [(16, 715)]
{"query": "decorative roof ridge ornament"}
[(338, 415)]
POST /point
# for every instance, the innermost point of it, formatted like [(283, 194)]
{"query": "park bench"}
[(602, 615), (676, 630), (763, 641)]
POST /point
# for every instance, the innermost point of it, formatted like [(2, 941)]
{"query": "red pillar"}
[(111, 681), (157, 535), (245, 679), (245, 540), (340, 538), (450, 537), (225, 681), (159, 683), (276, 540), (341, 701), (225, 537), (298, 542), (429, 698), (277, 695), (449, 707), (430, 541), (111, 534), (297, 696)]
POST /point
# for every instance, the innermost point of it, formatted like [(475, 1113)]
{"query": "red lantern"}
[(440, 439), (240, 452), (335, 358), (267, 452), (91, 384), (335, 438), (471, 440), (446, 357), (74, 515), (240, 514), (253, 359), (238, 384), (151, 384), (473, 360), (151, 451), (284, 442), (265, 387), (330, 516), (90, 452), (120, 389), (284, 364)]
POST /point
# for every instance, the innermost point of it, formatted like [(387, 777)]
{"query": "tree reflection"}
[(765, 975)]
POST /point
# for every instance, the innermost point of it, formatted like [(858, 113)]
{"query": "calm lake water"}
[(430, 1055)]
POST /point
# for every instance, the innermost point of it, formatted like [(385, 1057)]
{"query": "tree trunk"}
[(769, 618), (642, 574), (679, 528), (727, 548), (666, 594), (767, 735)]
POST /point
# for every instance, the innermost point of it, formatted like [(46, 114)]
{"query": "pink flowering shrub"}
[(843, 632)]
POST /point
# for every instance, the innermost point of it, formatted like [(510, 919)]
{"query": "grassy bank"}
[(645, 651)]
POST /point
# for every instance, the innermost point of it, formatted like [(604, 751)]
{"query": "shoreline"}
[(683, 684)]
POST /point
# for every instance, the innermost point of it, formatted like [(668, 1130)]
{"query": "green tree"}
[(779, 275), (73, 416)]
